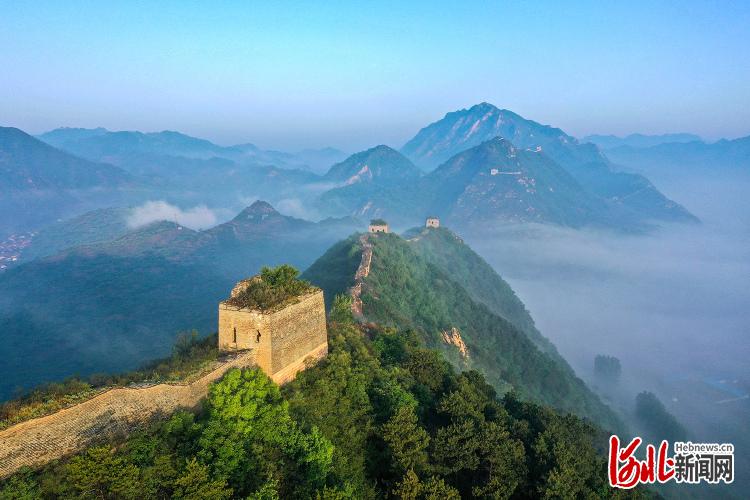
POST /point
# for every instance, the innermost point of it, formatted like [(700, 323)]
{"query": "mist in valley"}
[(673, 305)]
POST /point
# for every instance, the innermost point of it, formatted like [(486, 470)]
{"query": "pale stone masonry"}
[(112, 414), (378, 226), (359, 277), (284, 340)]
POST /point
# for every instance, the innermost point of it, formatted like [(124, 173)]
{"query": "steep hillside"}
[(40, 184), (370, 184), (28, 164), (404, 289), (379, 165), (111, 305), (96, 226), (446, 250), (464, 129), (497, 182), (98, 313)]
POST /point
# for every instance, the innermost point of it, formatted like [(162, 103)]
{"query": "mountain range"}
[(479, 166), (685, 157), (109, 306), (606, 142), (467, 128), (39, 183), (117, 147)]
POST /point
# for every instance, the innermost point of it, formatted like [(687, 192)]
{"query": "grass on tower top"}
[(273, 288)]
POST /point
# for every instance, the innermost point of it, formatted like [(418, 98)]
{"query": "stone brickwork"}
[(284, 340), (109, 415), (359, 277)]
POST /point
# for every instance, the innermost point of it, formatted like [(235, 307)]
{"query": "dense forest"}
[(382, 416)]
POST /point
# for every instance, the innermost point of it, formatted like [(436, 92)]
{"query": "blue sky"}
[(354, 74)]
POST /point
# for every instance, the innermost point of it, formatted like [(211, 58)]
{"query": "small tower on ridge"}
[(378, 226)]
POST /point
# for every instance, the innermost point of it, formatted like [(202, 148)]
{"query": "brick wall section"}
[(359, 277), (109, 415), (288, 336)]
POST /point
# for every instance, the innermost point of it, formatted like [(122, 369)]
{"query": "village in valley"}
[(12, 247)]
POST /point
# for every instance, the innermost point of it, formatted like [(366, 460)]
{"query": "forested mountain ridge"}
[(406, 290)]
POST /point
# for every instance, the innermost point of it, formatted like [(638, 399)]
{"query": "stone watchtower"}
[(432, 222), (285, 337), (378, 226)]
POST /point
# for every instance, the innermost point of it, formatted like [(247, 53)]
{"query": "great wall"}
[(107, 416), (359, 277), (281, 342)]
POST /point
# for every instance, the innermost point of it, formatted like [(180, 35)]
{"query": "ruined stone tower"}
[(378, 226), (284, 338)]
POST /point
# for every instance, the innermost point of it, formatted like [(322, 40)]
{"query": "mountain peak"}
[(380, 163), (258, 208), (484, 106)]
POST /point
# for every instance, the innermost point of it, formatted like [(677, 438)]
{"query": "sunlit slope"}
[(405, 289)]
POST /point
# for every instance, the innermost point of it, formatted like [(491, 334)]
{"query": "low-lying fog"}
[(673, 306)]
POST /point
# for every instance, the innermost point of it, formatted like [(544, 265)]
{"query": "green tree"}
[(99, 473), (250, 435), (502, 462), (409, 488), (21, 486), (406, 441), (196, 483)]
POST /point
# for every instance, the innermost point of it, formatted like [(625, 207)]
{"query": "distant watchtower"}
[(432, 222), (378, 226), (285, 335)]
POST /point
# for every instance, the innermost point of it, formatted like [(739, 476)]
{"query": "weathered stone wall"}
[(111, 414), (245, 324), (297, 330), (287, 337), (359, 277)]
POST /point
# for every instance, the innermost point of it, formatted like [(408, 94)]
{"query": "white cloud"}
[(293, 207), (197, 217)]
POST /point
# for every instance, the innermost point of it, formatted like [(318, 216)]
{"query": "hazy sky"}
[(350, 74)]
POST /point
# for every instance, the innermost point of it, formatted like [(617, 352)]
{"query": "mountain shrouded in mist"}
[(381, 165), (495, 181), (679, 157), (638, 140), (26, 164), (40, 183), (110, 306), (125, 147), (464, 129)]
